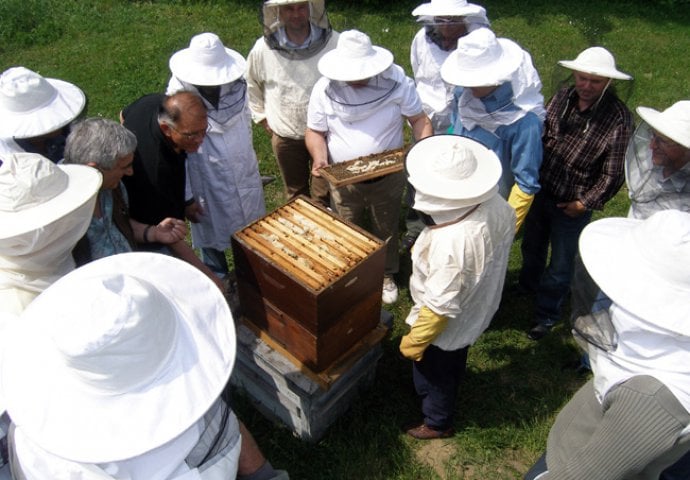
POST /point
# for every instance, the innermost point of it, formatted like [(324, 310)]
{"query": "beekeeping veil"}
[(641, 266), (438, 14), (274, 32), (649, 190)]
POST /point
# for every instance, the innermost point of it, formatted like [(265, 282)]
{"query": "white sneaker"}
[(390, 290)]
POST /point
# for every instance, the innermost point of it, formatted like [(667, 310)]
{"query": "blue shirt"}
[(105, 239), (518, 145)]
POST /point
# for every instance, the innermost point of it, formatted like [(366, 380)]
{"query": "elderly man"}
[(657, 162), (44, 210), (444, 22), (223, 175), (458, 268), (501, 106), (358, 108), (586, 132), (167, 129), (35, 112), (630, 421), (281, 71), (131, 354)]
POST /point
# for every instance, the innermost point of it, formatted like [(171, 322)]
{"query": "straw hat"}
[(674, 122), (457, 171), (35, 192), (448, 8), (354, 58), (31, 105), (596, 61), (118, 357), (482, 60), (207, 62), (642, 265)]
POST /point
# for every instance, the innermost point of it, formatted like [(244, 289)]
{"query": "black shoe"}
[(539, 331)]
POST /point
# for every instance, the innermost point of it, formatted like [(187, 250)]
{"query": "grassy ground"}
[(117, 50)]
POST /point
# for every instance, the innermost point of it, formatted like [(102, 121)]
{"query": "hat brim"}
[(610, 253), (591, 70), (185, 66), (434, 10), (84, 425), (655, 119), (335, 66), (62, 110), (485, 75), (460, 192), (83, 184)]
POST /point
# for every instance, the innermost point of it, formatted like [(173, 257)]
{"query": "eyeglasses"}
[(193, 135)]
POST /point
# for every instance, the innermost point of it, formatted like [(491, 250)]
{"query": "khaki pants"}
[(294, 163), (382, 200)]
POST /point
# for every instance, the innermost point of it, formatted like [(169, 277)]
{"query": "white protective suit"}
[(175, 460), (31, 262), (223, 175), (459, 270), (279, 87), (426, 58)]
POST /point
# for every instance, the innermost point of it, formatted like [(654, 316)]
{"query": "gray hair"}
[(100, 141)]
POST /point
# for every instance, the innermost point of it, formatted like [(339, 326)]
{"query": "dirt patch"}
[(436, 454)]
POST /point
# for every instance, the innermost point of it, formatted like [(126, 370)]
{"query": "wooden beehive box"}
[(310, 280)]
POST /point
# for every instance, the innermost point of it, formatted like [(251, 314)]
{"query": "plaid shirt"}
[(584, 152)]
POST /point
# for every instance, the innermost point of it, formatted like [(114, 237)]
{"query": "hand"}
[(573, 209), (170, 230), (194, 212), (316, 166)]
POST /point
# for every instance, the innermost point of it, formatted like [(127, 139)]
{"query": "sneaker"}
[(390, 290)]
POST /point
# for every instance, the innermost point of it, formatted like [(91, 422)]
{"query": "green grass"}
[(117, 50)]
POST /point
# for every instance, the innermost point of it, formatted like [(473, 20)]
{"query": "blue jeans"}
[(679, 470), (437, 377), (546, 225), (215, 260)]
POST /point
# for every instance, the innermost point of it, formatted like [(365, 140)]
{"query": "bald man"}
[(167, 128)]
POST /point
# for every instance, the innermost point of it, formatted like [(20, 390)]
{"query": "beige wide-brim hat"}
[(674, 122), (482, 60), (207, 62), (31, 105), (642, 265), (354, 58), (596, 61), (35, 192), (448, 8), (452, 171), (118, 357)]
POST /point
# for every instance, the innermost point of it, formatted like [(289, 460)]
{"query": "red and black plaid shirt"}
[(584, 152)]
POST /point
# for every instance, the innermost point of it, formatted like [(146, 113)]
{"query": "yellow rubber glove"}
[(427, 327), (520, 201)]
